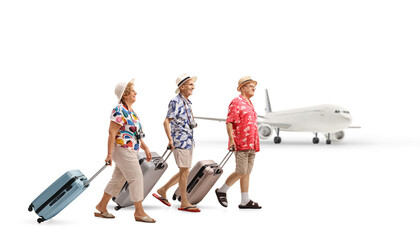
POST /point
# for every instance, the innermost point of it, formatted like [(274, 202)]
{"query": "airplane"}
[(328, 119)]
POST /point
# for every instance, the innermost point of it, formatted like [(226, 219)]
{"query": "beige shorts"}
[(244, 161), (183, 157)]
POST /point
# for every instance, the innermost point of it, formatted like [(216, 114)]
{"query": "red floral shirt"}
[(244, 120)]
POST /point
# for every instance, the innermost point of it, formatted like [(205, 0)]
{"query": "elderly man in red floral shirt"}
[(242, 129)]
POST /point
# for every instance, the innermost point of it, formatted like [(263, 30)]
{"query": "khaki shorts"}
[(244, 161), (183, 157)]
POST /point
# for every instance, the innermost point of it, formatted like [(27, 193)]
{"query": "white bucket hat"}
[(182, 79), (120, 88)]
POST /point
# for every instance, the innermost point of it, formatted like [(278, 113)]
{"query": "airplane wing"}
[(279, 125), (212, 119), (220, 119), (284, 126)]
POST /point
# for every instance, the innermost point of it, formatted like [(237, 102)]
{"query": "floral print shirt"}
[(129, 122), (181, 133), (243, 117)]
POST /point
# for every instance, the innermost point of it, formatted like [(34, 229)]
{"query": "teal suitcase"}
[(60, 194)]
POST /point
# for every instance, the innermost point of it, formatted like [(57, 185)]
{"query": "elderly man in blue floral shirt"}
[(179, 124)]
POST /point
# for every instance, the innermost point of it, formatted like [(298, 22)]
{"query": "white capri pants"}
[(127, 168)]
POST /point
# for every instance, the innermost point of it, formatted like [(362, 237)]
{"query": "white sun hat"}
[(120, 88), (182, 79)]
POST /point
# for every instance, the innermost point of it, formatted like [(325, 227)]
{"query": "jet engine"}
[(265, 131), (336, 137)]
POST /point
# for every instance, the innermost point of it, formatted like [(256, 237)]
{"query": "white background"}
[(60, 61)]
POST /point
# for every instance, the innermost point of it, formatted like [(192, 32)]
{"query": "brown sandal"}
[(250, 205), (104, 215), (222, 198), (146, 219)]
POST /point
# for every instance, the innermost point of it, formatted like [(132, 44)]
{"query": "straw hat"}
[(243, 81), (120, 88), (182, 79)]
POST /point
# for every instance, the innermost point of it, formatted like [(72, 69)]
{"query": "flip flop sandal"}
[(145, 219), (163, 200), (104, 215), (221, 197), (250, 205), (188, 209)]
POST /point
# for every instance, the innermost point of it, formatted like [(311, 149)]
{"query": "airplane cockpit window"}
[(338, 111)]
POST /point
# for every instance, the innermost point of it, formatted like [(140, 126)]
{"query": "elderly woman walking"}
[(124, 141)]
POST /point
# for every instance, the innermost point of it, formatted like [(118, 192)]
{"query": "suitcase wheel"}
[(117, 208), (30, 208), (174, 197), (40, 220)]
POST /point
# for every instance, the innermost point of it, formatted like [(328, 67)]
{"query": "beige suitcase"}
[(202, 178)]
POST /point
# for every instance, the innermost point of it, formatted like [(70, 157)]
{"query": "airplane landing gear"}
[(315, 140), (328, 139), (277, 139)]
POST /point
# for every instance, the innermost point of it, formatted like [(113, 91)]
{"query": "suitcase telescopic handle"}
[(96, 174), (226, 158), (160, 164)]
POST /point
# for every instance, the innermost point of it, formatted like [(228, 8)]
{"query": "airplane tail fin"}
[(267, 102)]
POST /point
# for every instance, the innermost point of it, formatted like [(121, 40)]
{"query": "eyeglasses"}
[(251, 86)]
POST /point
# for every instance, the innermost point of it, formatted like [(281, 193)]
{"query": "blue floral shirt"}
[(181, 132)]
